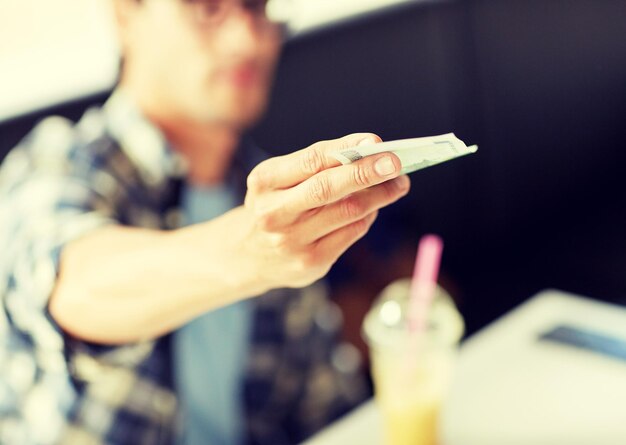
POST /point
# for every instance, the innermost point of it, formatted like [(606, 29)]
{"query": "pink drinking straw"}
[(424, 281)]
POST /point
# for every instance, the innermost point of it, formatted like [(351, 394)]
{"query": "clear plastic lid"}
[(386, 324)]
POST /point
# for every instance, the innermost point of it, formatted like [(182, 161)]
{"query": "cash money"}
[(415, 154)]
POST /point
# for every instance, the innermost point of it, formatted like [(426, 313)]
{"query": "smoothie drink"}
[(411, 372)]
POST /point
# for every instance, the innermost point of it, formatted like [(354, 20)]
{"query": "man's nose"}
[(240, 33)]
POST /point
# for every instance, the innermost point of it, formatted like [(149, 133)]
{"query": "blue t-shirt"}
[(210, 351)]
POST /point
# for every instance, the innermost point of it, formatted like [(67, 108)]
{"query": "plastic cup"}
[(411, 372)]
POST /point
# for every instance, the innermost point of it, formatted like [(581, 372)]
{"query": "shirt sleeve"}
[(48, 198)]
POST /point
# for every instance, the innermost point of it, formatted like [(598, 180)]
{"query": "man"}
[(123, 327)]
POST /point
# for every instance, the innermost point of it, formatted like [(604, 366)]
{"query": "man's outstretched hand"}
[(305, 209), (302, 211)]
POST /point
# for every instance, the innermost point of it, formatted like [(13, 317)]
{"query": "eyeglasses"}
[(209, 14)]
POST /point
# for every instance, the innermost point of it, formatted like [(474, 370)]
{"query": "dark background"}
[(539, 85)]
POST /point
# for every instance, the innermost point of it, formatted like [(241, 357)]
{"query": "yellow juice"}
[(411, 374), (409, 394), (411, 424)]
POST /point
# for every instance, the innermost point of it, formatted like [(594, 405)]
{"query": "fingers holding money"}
[(279, 209), (327, 187), (286, 171), (319, 223), (302, 211)]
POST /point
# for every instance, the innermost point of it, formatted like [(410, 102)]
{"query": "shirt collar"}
[(150, 152), (142, 141)]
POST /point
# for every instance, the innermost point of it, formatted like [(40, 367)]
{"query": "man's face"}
[(197, 66)]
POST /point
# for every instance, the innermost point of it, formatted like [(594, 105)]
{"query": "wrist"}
[(216, 260)]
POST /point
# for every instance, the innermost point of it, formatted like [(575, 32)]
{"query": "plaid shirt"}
[(114, 167)]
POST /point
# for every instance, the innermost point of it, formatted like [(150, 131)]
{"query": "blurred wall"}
[(52, 51)]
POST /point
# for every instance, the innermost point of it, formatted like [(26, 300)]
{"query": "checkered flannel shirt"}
[(113, 167)]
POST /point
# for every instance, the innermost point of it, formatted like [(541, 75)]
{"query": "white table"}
[(512, 389)]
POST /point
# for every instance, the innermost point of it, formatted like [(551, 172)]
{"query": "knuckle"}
[(311, 161), (391, 190), (266, 221), (351, 140), (308, 262), (351, 209), (361, 175), (255, 179), (320, 190), (283, 245), (249, 201), (304, 263), (360, 227), (299, 267), (266, 218)]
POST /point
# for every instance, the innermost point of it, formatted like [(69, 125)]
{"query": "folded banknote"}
[(415, 154)]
